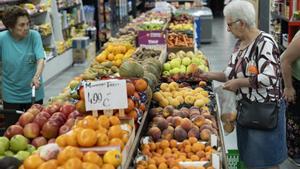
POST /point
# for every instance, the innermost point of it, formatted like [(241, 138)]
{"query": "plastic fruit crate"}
[(234, 161)]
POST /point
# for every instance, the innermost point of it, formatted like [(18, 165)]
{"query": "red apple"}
[(40, 120), (50, 130), (60, 114), (13, 130), (67, 108), (33, 110), (52, 108), (45, 114), (70, 122), (31, 130), (39, 141), (74, 114), (26, 118), (64, 129), (38, 106), (51, 141)]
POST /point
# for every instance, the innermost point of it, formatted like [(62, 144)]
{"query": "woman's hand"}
[(36, 82), (232, 85), (289, 94)]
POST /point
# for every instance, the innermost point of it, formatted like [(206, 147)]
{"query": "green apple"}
[(196, 60), (30, 148), (190, 54), (175, 63), (9, 153), (182, 69), (167, 66), (5, 142), (22, 155), (18, 143), (175, 71), (2, 149), (186, 61)]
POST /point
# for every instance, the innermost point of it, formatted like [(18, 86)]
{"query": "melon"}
[(130, 69), (156, 62), (152, 69), (151, 79)]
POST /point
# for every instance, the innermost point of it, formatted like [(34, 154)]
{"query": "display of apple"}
[(2, 148), (30, 148), (39, 141), (50, 130), (67, 109), (33, 110), (18, 143), (13, 130), (26, 118), (4, 142), (38, 106), (9, 153), (40, 120), (31, 130)]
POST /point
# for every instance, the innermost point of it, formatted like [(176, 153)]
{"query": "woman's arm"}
[(290, 55), (218, 76), (36, 78)]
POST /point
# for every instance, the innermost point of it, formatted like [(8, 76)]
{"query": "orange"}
[(61, 140), (116, 142), (125, 138), (194, 158), (86, 165), (113, 157), (131, 105), (71, 139), (87, 138), (108, 166), (111, 57), (114, 120), (101, 58), (133, 114), (21, 167), (188, 148), (92, 157), (90, 122), (102, 139), (103, 120), (101, 129), (115, 132), (73, 163), (33, 162), (49, 165), (140, 85), (68, 153)]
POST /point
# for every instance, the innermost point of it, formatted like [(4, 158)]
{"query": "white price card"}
[(105, 95)]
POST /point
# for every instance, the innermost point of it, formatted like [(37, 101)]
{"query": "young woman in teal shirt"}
[(22, 56)]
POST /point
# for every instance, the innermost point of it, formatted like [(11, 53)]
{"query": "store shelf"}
[(77, 24), (294, 23), (69, 7), (38, 14)]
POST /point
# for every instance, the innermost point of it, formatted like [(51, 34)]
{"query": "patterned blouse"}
[(263, 53)]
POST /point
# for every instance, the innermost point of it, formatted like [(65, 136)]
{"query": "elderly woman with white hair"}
[(253, 73)]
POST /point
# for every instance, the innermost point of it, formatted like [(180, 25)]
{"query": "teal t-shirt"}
[(19, 64)]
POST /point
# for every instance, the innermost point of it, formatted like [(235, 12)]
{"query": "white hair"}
[(241, 10)]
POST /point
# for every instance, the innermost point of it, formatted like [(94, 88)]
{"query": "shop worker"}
[(253, 72), (290, 64), (22, 56)]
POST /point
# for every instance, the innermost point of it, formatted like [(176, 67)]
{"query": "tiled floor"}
[(218, 53)]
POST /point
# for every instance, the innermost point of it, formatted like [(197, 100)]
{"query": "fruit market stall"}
[(133, 106)]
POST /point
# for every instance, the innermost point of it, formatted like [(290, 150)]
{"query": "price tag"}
[(105, 95)]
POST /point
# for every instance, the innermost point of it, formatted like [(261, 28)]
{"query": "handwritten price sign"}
[(105, 95)]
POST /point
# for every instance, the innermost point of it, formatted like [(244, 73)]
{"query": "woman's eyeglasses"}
[(231, 23)]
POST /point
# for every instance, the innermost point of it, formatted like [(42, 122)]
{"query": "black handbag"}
[(256, 115)]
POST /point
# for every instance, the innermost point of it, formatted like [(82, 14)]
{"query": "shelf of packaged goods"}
[(69, 7), (75, 25)]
